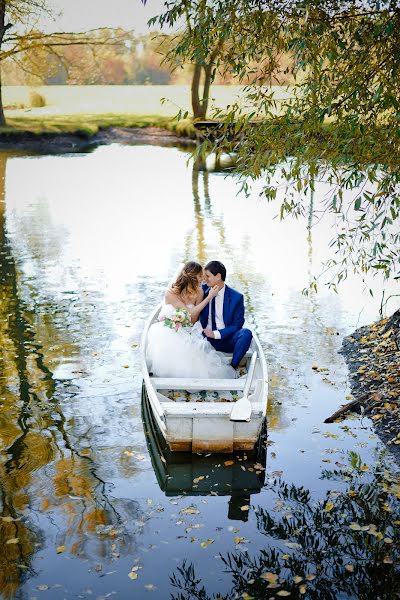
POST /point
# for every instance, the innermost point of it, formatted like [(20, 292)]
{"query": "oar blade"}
[(241, 410)]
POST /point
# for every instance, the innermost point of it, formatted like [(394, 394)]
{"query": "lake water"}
[(91, 504)]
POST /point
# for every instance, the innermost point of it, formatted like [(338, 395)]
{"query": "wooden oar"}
[(241, 410)]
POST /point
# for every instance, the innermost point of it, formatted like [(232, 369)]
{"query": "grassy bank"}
[(89, 124)]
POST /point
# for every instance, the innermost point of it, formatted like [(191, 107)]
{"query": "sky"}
[(81, 15)]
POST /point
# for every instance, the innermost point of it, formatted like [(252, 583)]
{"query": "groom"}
[(223, 318)]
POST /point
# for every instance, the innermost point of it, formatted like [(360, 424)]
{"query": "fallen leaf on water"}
[(128, 453), (61, 549), (207, 543), (292, 545), (228, 463), (303, 588), (271, 577), (310, 576), (132, 575), (12, 541), (163, 460), (283, 593), (190, 510), (297, 579), (197, 479), (42, 587), (355, 527), (150, 587), (245, 507), (285, 556), (328, 507), (238, 540), (349, 567)]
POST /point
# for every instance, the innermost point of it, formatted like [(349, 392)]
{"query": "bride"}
[(176, 345)]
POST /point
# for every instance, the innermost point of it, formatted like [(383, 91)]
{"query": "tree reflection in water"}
[(344, 546), (43, 468)]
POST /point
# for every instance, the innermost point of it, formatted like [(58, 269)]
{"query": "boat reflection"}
[(238, 475)]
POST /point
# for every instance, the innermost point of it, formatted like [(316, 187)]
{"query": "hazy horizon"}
[(82, 15)]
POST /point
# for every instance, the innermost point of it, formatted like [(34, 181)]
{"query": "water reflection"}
[(35, 434), (239, 476), (86, 250), (347, 545)]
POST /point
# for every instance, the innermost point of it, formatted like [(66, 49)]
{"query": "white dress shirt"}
[(219, 307)]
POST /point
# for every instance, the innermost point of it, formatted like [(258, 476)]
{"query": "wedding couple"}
[(198, 322)]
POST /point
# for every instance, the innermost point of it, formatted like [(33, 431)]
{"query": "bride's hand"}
[(213, 292)]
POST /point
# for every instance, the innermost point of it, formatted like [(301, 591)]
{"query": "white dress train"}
[(184, 353)]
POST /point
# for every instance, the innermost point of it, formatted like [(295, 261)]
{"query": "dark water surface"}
[(92, 506)]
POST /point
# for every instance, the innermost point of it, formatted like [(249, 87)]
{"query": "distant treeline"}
[(129, 60)]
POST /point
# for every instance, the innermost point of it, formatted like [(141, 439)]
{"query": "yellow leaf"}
[(61, 549), (12, 541), (329, 506), (271, 577), (197, 479), (190, 510), (355, 527), (310, 576), (377, 417), (364, 468), (132, 575), (388, 540), (303, 589), (207, 543), (297, 579), (285, 556), (283, 593), (349, 567), (228, 463), (245, 507)]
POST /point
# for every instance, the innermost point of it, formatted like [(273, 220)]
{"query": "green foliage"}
[(340, 121)]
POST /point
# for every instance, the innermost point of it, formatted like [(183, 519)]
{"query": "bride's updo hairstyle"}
[(187, 279)]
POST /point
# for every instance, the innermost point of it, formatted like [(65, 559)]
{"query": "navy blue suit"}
[(234, 338)]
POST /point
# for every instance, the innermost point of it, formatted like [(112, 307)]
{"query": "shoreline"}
[(80, 141), (372, 355)]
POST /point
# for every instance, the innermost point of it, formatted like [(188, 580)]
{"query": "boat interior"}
[(209, 390)]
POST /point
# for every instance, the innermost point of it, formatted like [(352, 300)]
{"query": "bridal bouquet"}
[(179, 318)]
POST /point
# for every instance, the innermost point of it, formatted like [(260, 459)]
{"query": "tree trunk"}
[(206, 89), (196, 105), (3, 29), (200, 106)]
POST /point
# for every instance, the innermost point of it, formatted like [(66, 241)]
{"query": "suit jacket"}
[(232, 312)]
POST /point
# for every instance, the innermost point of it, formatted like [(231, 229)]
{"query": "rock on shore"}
[(372, 354)]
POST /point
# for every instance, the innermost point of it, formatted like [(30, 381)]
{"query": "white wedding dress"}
[(184, 353)]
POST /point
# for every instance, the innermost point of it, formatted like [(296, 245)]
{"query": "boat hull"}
[(203, 427)]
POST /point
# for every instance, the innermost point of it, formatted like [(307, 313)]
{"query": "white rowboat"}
[(204, 415)]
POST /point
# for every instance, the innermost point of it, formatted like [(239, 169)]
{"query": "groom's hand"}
[(208, 333)]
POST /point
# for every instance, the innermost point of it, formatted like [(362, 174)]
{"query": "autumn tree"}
[(338, 122), (21, 41)]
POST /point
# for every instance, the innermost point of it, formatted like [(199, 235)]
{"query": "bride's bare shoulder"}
[(173, 298)]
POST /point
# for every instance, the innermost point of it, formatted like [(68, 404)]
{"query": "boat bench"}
[(197, 385)]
